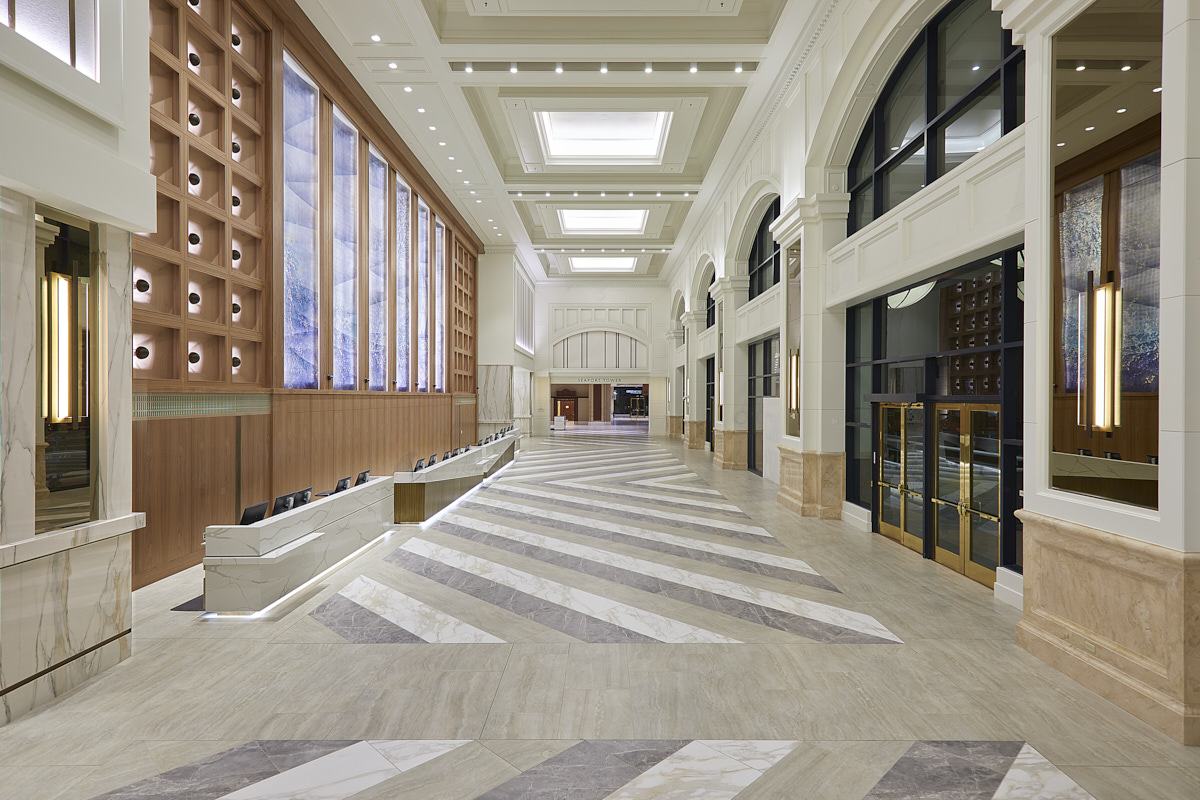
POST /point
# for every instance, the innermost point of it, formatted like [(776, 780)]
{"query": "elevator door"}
[(966, 502), (710, 394), (900, 480)]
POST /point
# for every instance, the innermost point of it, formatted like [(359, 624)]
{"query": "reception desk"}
[(249, 567), (420, 495)]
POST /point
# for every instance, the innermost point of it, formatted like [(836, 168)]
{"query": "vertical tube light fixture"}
[(62, 348), (1102, 405), (45, 348), (794, 382)]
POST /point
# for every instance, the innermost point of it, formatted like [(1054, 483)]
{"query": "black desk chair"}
[(254, 513), (447, 456)]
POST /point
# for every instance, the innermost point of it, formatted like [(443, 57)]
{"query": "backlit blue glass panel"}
[(1139, 254), (345, 254), (301, 328), (403, 286), (377, 176), (422, 297)]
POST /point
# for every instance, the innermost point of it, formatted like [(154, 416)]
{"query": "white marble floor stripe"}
[(595, 466), (571, 463), (1032, 777), (405, 754), (667, 483), (651, 496), (557, 457), (671, 468), (820, 612), (605, 506), (336, 776), (626, 616), (576, 519), (770, 559), (696, 771), (416, 617)]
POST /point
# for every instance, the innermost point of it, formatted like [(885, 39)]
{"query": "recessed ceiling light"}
[(1121, 110), (451, 158), (975, 68), (494, 227), (547, 194), (420, 111), (631, 194), (601, 249), (1080, 68), (512, 67), (664, 249), (649, 67), (687, 194), (643, 249), (658, 194), (1157, 89), (558, 67), (562, 250), (603, 67), (602, 194), (433, 127), (1060, 144), (472, 191), (1126, 68), (457, 170), (469, 67), (499, 234), (622, 249), (575, 194), (737, 66), (406, 88), (374, 37), (394, 65), (491, 220), (441, 144), (477, 201), (520, 194), (693, 69), (1090, 128)]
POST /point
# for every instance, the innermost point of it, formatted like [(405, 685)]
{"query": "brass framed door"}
[(966, 487), (900, 481)]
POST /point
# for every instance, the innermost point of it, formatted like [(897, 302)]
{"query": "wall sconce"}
[(720, 395), (794, 383), (1100, 393)]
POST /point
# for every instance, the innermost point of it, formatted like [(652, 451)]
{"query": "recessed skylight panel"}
[(605, 134), (603, 264), (602, 220)]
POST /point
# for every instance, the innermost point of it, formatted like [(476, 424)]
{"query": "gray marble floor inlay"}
[(543, 612), (731, 562), (360, 625), (750, 612), (947, 771), (591, 770)]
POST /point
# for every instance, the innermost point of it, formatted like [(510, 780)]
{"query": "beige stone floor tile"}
[(466, 772), (532, 681), (1137, 783), (44, 783), (827, 770), (134, 763), (168, 755), (527, 753)]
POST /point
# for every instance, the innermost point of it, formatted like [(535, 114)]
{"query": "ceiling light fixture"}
[(687, 194), (575, 194), (649, 67), (1121, 110), (603, 67), (693, 69), (374, 37), (1061, 144), (622, 249), (433, 127), (1126, 68), (466, 181), (602, 194), (494, 227), (975, 68), (737, 66), (469, 67), (631, 194), (477, 201), (451, 158), (1156, 89), (558, 67), (420, 111), (1080, 68), (512, 67), (393, 65), (520, 194), (457, 170), (472, 191), (406, 88), (547, 194), (664, 249), (441, 144), (1090, 128), (658, 194)]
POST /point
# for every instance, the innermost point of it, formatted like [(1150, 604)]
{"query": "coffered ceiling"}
[(588, 135)]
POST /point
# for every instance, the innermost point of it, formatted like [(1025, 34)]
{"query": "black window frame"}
[(710, 304), (764, 260), (1012, 109)]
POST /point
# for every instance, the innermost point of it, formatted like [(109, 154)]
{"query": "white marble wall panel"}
[(19, 414), (251, 583), (495, 393), (56, 607), (114, 407), (275, 532)]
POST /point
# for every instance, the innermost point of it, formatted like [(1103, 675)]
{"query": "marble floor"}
[(610, 618)]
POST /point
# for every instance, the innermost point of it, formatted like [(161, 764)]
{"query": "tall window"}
[(301, 327), (710, 304), (422, 297), (764, 254), (66, 29), (345, 253), (377, 266), (403, 285), (439, 308), (920, 131)]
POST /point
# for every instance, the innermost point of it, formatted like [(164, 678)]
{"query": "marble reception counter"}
[(249, 567), (420, 495), (65, 610)]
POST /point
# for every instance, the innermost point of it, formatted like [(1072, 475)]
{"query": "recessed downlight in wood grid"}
[(205, 357), (244, 307), (205, 118), (155, 285), (205, 58), (206, 236), (206, 178), (206, 301), (211, 11), (155, 351), (246, 361), (245, 254)]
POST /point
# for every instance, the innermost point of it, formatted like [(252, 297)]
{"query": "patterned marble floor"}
[(604, 539), (612, 618)]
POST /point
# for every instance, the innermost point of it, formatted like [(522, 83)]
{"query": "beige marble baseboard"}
[(1120, 616), (694, 434), (675, 427), (729, 449), (812, 483)]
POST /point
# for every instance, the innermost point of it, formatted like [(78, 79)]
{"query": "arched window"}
[(959, 88), (764, 255), (710, 305)]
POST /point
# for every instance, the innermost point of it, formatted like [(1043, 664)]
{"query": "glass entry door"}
[(901, 478), (966, 502)]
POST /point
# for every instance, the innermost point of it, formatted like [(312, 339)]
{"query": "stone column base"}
[(729, 449), (1120, 616), (811, 483), (694, 434), (675, 427)]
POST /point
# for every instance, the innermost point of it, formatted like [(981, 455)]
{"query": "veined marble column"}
[(730, 448), (693, 405)]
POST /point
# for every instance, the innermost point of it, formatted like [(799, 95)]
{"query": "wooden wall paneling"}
[(254, 445), (275, 237), (325, 240)]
